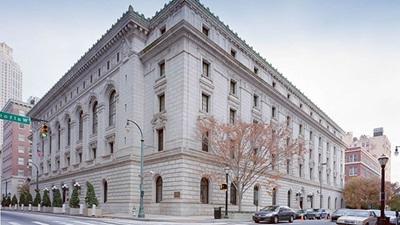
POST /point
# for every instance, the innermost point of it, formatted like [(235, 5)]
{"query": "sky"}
[(343, 55)]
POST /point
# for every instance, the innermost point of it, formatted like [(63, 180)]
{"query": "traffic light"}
[(224, 187), (44, 131)]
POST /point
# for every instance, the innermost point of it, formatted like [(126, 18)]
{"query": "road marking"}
[(64, 223), (14, 223), (40, 223), (91, 222)]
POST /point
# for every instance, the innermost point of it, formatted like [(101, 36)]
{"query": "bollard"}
[(30, 207), (63, 208), (93, 210), (38, 207), (81, 209)]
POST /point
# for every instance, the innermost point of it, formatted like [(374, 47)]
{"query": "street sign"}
[(15, 118)]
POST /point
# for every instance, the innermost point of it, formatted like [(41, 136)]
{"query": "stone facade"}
[(156, 72)]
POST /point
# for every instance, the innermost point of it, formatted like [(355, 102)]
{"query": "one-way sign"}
[(15, 118)]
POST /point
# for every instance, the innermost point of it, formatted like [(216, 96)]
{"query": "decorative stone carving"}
[(159, 120)]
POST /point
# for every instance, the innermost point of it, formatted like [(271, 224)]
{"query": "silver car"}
[(358, 217)]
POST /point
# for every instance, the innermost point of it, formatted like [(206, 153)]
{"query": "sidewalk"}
[(165, 218)]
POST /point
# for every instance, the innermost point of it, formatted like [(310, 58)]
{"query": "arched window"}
[(159, 184), (204, 184), (321, 200), (233, 194), (341, 203), (94, 118), (112, 108), (289, 198), (50, 140), (274, 196), (80, 125), (68, 131), (58, 136), (329, 202), (334, 207), (105, 191), (256, 195)]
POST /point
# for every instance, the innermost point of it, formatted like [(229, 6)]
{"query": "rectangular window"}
[(300, 129), (273, 112), (255, 100), (162, 68), (162, 30), (288, 96), (21, 137), (205, 30), (108, 65), (68, 161), (204, 142), (255, 70), (300, 170), (273, 84), (94, 153), (310, 156), (311, 173), (287, 166), (205, 103), (99, 72), (161, 103), (232, 87), (111, 146), (117, 56), (288, 121), (160, 135), (21, 149), (21, 161), (80, 157), (233, 53), (21, 173), (232, 116), (206, 69)]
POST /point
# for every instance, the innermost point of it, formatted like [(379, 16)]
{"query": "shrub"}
[(14, 200), (28, 198), (46, 199), (37, 199), (90, 198), (22, 199), (8, 201), (74, 201), (57, 202)]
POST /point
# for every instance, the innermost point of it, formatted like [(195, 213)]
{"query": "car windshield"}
[(341, 211), (358, 213), (270, 208), (390, 213), (310, 210), (316, 210), (300, 211)]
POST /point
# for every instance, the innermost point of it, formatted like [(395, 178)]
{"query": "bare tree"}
[(254, 152)]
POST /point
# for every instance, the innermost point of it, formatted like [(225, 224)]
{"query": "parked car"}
[(321, 214), (300, 213), (359, 217), (338, 213), (274, 214), (393, 218), (309, 214)]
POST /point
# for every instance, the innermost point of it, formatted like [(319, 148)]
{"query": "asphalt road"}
[(24, 218)]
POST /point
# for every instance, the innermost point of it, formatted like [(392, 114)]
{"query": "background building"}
[(16, 149), (374, 146), (165, 73), (361, 163), (10, 79)]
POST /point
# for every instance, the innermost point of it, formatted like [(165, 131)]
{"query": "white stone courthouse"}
[(165, 73)]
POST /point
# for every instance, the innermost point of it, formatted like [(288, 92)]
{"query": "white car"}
[(358, 217)]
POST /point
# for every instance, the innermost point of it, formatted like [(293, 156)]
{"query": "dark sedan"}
[(274, 214), (338, 213), (309, 214)]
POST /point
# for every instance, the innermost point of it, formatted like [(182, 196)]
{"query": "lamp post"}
[(382, 220), (226, 192), (37, 174), (396, 150), (320, 183), (141, 206)]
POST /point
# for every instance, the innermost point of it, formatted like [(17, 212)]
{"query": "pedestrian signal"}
[(44, 131)]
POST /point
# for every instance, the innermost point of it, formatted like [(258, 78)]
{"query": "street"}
[(24, 218)]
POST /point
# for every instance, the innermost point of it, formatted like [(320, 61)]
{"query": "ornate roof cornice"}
[(130, 20), (241, 44)]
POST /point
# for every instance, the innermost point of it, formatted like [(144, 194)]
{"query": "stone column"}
[(101, 126)]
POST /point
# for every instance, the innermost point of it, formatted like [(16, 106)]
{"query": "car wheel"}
[(276, 219), (256, 221), (291, 219)]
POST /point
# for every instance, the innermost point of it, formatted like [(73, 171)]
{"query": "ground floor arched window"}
[(334, 207), (289, 198), (159, 187), (256, 195), (274, 196), (233, 194), (105, 191), (204, 190), (329, 202)]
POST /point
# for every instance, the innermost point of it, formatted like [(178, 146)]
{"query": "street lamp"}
[(382, 220), (396, 150), (226, 192), (320, 183), (141, 206), (37, 174)]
